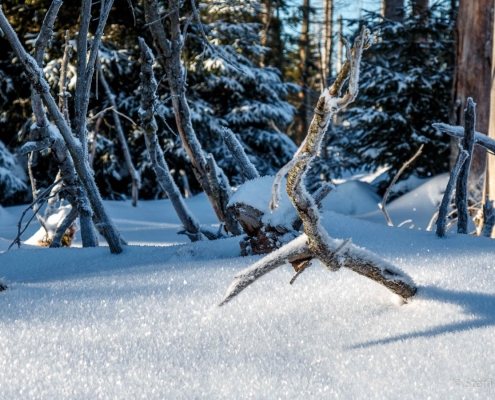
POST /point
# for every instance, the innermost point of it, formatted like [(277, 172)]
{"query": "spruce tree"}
[(406, 85)]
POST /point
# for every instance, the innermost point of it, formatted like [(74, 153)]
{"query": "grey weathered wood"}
[(443, 211), (248, 170), (77, 197), (169, 51), (458, 131), (148, 122), (316, 243), (461, 192), (488, 218)]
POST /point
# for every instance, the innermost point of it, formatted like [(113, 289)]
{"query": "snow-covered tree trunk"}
[(133, 172), (169, 51), (316, 243), (148, 106), (75, 147)]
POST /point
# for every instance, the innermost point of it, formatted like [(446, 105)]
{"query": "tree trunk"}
[(490, 167), (474, 66), (419, 6), (393, 9), (327, 43), (303, 68)]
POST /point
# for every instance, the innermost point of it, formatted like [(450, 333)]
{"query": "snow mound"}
[(258, 194), (352, 198), (417, 206)]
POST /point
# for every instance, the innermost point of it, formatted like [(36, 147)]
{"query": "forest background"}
[(261, 77)]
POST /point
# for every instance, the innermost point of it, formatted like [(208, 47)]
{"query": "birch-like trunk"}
[(77, 197)]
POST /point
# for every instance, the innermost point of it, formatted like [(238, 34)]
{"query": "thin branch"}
[(396, 177), (235, 147), (205, 38)]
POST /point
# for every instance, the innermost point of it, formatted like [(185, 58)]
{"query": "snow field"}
[(83, 323)]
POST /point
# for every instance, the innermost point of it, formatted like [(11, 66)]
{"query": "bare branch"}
[(135, 176), (235, 147), (35, 76), (396, 177), (443, 210), (458, 131), (148, 100), (461, 191), (63, 93)]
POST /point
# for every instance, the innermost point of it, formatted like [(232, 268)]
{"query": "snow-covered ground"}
[(83, 323)]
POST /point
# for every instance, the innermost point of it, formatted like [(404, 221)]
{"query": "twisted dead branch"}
[(315, 242)]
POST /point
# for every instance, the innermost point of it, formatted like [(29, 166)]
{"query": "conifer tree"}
[(406, 86)]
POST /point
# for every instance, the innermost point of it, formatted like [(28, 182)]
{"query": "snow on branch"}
[(458, 131), (316, 243), (248, 170)]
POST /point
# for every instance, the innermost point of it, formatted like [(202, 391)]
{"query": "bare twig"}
[(133, 172), (40, 199), (396, 177)]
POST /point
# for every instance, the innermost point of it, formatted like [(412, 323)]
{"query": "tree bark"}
[(393, 9), (304, 71), (327, 43), (35, 76), (473, 72), (490, 167)]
